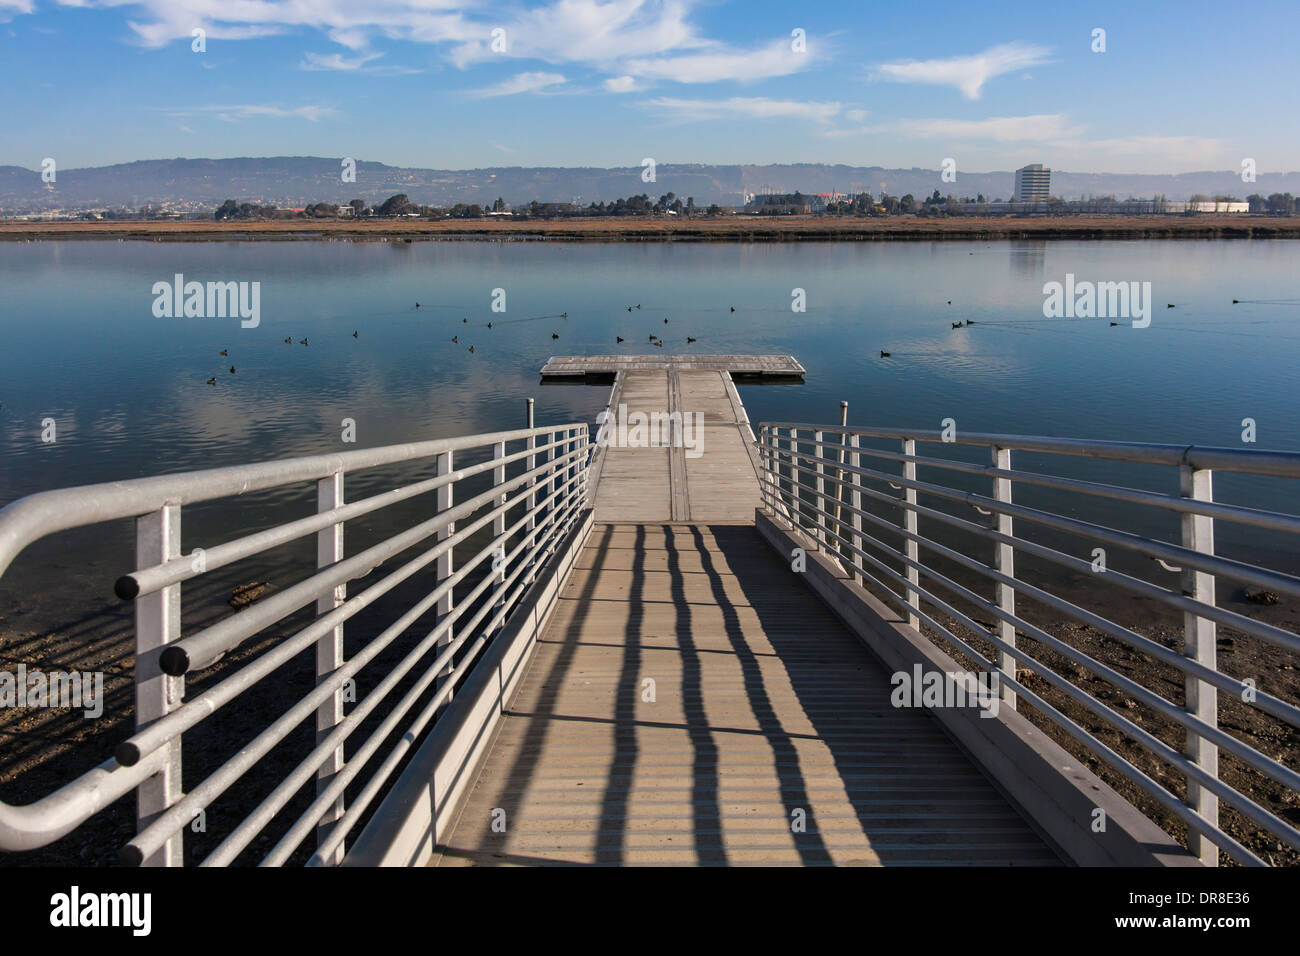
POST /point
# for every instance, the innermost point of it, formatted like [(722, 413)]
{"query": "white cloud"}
[(775, 59), (1156, 152), (1044, 127), (966, 73), (752, 107), (231, 114), (642, 39), (523, 83), (336, 61), (589, 31), (621, 84)]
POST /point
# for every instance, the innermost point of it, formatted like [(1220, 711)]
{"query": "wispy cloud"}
[(712, 66), (648, 40), (966, 73), (746, 106), (1044, 127), (621, 84), (522, 83), (231, 114), (336, 61)]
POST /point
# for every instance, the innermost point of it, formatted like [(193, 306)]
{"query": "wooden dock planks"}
[(763, 711), (578, 366), (673, 483)]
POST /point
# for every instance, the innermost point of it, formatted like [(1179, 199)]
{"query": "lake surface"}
[(127, 389)]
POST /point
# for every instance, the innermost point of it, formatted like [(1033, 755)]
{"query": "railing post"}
[(1199, 635), (444, 568), (796, 500), (839, 478), (855, 459), (1006, 564), (911, 548), (819, 503), (529, 464), (499, 524), (158, 623), (329, 654), (764, 448)]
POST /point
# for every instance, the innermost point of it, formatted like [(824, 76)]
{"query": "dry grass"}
[(728, 228)]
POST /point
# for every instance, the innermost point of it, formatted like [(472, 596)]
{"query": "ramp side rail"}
[(831, 481), (535, 480)]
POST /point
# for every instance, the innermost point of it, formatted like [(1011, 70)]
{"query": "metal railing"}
[(535, 481), (847, 495)]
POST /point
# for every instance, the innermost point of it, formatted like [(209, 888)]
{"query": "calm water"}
[(128, 393)]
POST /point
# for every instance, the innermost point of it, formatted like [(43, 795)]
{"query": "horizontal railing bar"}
[(47, 512), (1184, 557), (180, 813), (1249, 755), (192, 711), (1266, 632), (305, 824), (37, 824), (1265, 702), (1083, 737), (251, 825), (407, 740), (1280, 464), (200, 650), (1157, 747), (148, 580), (1238, 514)]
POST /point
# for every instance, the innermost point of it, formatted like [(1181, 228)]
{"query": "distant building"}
[(1033, 183)]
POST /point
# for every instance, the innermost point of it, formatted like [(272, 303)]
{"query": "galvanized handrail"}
[(536, 485), (814, 477)]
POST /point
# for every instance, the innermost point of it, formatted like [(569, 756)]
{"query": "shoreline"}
[(727, 229)]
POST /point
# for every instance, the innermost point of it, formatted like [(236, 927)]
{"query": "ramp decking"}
[(691, 701), (715, 480), (765, 737)]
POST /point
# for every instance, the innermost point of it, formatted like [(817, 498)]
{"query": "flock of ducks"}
[(654, 340), (288, 341)]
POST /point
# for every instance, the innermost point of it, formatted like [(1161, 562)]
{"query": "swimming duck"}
[(884, 354), (619, 338), (212, 381), (224, 352), (232, 370)]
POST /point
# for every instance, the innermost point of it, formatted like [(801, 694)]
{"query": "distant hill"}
[(294, 181)]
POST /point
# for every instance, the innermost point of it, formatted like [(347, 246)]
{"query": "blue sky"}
[(1181, 86)]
